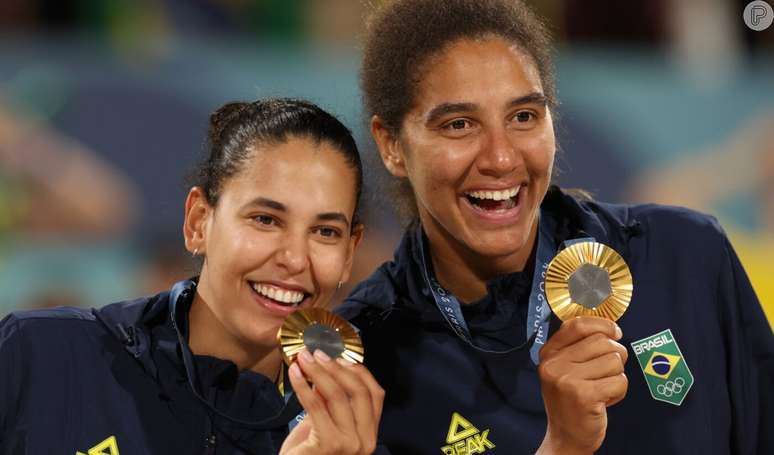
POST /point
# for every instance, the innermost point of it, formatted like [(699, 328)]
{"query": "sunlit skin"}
[(285, 219), (479, 122)]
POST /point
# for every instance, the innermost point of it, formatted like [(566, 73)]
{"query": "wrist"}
[(553, 445)]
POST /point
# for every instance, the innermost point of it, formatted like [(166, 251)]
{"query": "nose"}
[(499, 155), (293, 254)]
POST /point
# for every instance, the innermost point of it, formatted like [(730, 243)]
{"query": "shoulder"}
[(617, 224), (676, 219), (680, 229), (23, 322), (665, 223), (653, 233), (48, 328), (33, 339), (657, 216), (394, 278), (377, 293)]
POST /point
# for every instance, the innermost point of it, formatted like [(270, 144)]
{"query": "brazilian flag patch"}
[(666, 372)]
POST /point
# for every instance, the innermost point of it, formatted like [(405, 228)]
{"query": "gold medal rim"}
[(557, 286), (290, 336)]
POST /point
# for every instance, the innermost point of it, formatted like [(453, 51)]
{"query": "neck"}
[(464, 272), (207, 336)]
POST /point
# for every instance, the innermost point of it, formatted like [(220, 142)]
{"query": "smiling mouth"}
[(494, 201), (280, 296)]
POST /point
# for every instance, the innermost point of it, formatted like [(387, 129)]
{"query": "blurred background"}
[(104, 107)]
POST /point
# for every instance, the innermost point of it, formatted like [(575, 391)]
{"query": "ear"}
[(389, 147), (197, 212), (354, 241)]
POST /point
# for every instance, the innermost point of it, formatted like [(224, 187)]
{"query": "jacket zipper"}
[(210, 438)]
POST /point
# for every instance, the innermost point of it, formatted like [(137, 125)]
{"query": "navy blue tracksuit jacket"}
[(442, 396), (113, 381)]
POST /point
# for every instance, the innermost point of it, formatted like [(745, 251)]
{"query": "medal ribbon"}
[(538, 312)]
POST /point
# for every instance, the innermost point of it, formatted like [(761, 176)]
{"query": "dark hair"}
[(237, 126), (402, 36)]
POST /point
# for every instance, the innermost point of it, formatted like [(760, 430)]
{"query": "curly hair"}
[(403, 35)]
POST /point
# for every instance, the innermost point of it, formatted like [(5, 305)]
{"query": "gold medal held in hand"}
[(588, 279), (315, 328)]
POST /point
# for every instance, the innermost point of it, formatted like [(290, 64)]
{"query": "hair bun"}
[(222, 118)]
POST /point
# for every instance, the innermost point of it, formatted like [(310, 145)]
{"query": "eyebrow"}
[(280, 207), (270, 203), (333, 216), (444, 109)]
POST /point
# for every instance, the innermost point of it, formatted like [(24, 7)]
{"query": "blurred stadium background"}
[(104, 107)]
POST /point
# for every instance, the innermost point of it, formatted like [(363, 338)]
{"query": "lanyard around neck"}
[(538, 313), (184, 290)]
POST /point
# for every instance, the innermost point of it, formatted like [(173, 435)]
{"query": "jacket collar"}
[(129, 323), (163, 320), (376, 297)]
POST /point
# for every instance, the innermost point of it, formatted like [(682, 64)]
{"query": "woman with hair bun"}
[(274, 216), (461, 101)]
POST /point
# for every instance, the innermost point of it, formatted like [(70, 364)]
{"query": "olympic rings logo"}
[(671, 387)]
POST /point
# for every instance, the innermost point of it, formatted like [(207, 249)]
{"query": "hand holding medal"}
[(342, 401), (588, 286)]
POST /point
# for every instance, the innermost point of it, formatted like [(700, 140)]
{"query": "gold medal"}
[(315, 328), (588, 279)]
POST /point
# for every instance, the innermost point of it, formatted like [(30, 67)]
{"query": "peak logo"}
[(465, 439), (107, 447)]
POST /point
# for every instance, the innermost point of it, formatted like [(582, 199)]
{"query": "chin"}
[(498, 245)]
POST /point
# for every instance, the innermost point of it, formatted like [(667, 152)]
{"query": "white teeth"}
[(280, 295), (495, 195)]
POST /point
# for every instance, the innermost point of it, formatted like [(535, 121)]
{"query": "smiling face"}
[(478, 148), (278, 239)]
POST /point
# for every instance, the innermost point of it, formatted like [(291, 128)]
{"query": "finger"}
[(604, 366), (612, 389), (359, 398), (376, 391), (578, 328), (336, 398), (313, 404), (593, 346), (368, 413)]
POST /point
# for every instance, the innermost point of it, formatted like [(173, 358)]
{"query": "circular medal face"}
[(588, 279), (315, 328)]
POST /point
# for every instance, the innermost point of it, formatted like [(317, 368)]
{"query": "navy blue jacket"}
[(72, 379), (687, 278)]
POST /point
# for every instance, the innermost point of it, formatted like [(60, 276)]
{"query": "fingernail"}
[(295, 371), (618, 332), (306, 356), (344, 362), (321, 356)]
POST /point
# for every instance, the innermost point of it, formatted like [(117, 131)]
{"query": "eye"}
[(265, 220), (328, 232), (458, 124), (524, 116), (459, 127)]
